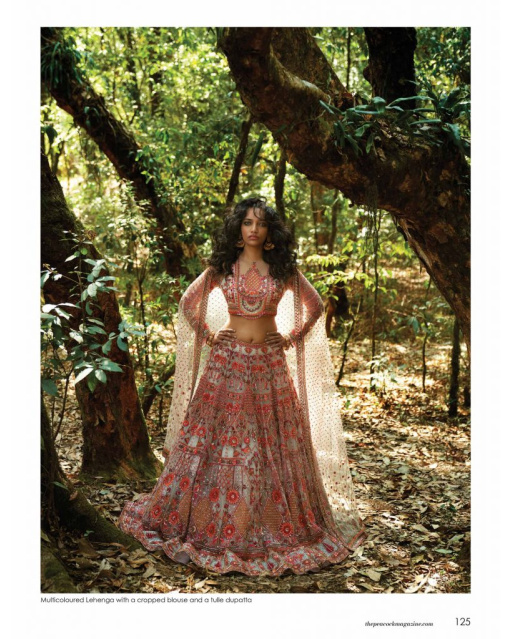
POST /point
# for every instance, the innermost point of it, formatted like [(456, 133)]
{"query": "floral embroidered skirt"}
[(239, 491)]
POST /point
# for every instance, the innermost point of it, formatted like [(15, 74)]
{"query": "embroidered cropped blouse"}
[(251, 294)]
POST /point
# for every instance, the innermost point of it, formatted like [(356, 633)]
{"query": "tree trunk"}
[(152, 391), (346, 342), (453, 395), (334, 222), (63, 505), (281, 75), (348, 65), (116, 442), (279, 184), (125, 34), (156, 77), (238, 163), (318, 209), (390, 69), (375, 309), (466, 394), (76, 96)]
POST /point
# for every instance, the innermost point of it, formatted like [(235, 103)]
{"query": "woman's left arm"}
[(314, 307)]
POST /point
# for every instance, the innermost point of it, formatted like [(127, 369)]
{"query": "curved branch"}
[(423, 187), (74, 94)]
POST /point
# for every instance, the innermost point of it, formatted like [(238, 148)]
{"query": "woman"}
[(256, 477)]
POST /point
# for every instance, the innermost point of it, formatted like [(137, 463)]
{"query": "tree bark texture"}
[(281, 74), (279, 184), (116, 442), (77, 97), (391, 62), (63, 505), (453, 394)]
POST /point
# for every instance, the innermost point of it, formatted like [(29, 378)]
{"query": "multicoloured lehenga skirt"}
[(239, 491)]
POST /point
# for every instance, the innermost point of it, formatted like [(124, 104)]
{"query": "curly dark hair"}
[(281, 259)]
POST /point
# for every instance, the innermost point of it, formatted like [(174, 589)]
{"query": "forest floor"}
[(410, 464)]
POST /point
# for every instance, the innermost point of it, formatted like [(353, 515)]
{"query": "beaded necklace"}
[(252, 287)]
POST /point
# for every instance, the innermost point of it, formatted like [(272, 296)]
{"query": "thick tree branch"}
[(76, 96), (423, 187)]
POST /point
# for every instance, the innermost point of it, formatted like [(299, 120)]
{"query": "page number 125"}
[(463, 621)]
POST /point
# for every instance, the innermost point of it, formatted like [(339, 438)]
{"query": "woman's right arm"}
[(190, 301), (313, 306)]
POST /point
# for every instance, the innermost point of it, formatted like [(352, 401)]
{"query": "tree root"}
[(54, 576)]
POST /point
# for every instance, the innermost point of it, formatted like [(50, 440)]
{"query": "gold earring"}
[(268, 245), (240, 242)]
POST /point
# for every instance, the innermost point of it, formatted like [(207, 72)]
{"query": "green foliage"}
[(384, 373), (333, 43), (60, 58), (359, 127), (444, 54), (342, 267), (82, 350)]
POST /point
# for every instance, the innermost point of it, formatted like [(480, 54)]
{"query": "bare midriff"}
[(251, 330)]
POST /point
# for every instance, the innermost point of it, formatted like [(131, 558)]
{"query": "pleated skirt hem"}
[(326, 550)]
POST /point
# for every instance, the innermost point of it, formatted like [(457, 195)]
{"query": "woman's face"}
[(254, 229)]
